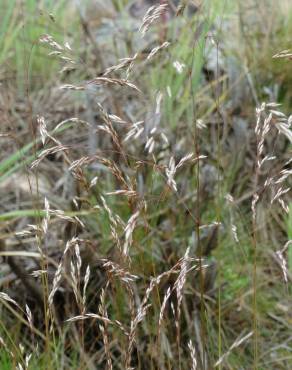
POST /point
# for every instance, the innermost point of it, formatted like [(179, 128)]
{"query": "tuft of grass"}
[(153, 248)]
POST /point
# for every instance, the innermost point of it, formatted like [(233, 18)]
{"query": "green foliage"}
[(237, 283), (23, 156), (5, 361), (262, 38), (22, 24)]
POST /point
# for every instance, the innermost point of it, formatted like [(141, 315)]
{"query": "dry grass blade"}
[(113, 81), (236, 344)]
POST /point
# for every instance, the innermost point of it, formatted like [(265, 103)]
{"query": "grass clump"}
[(143, 221)]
